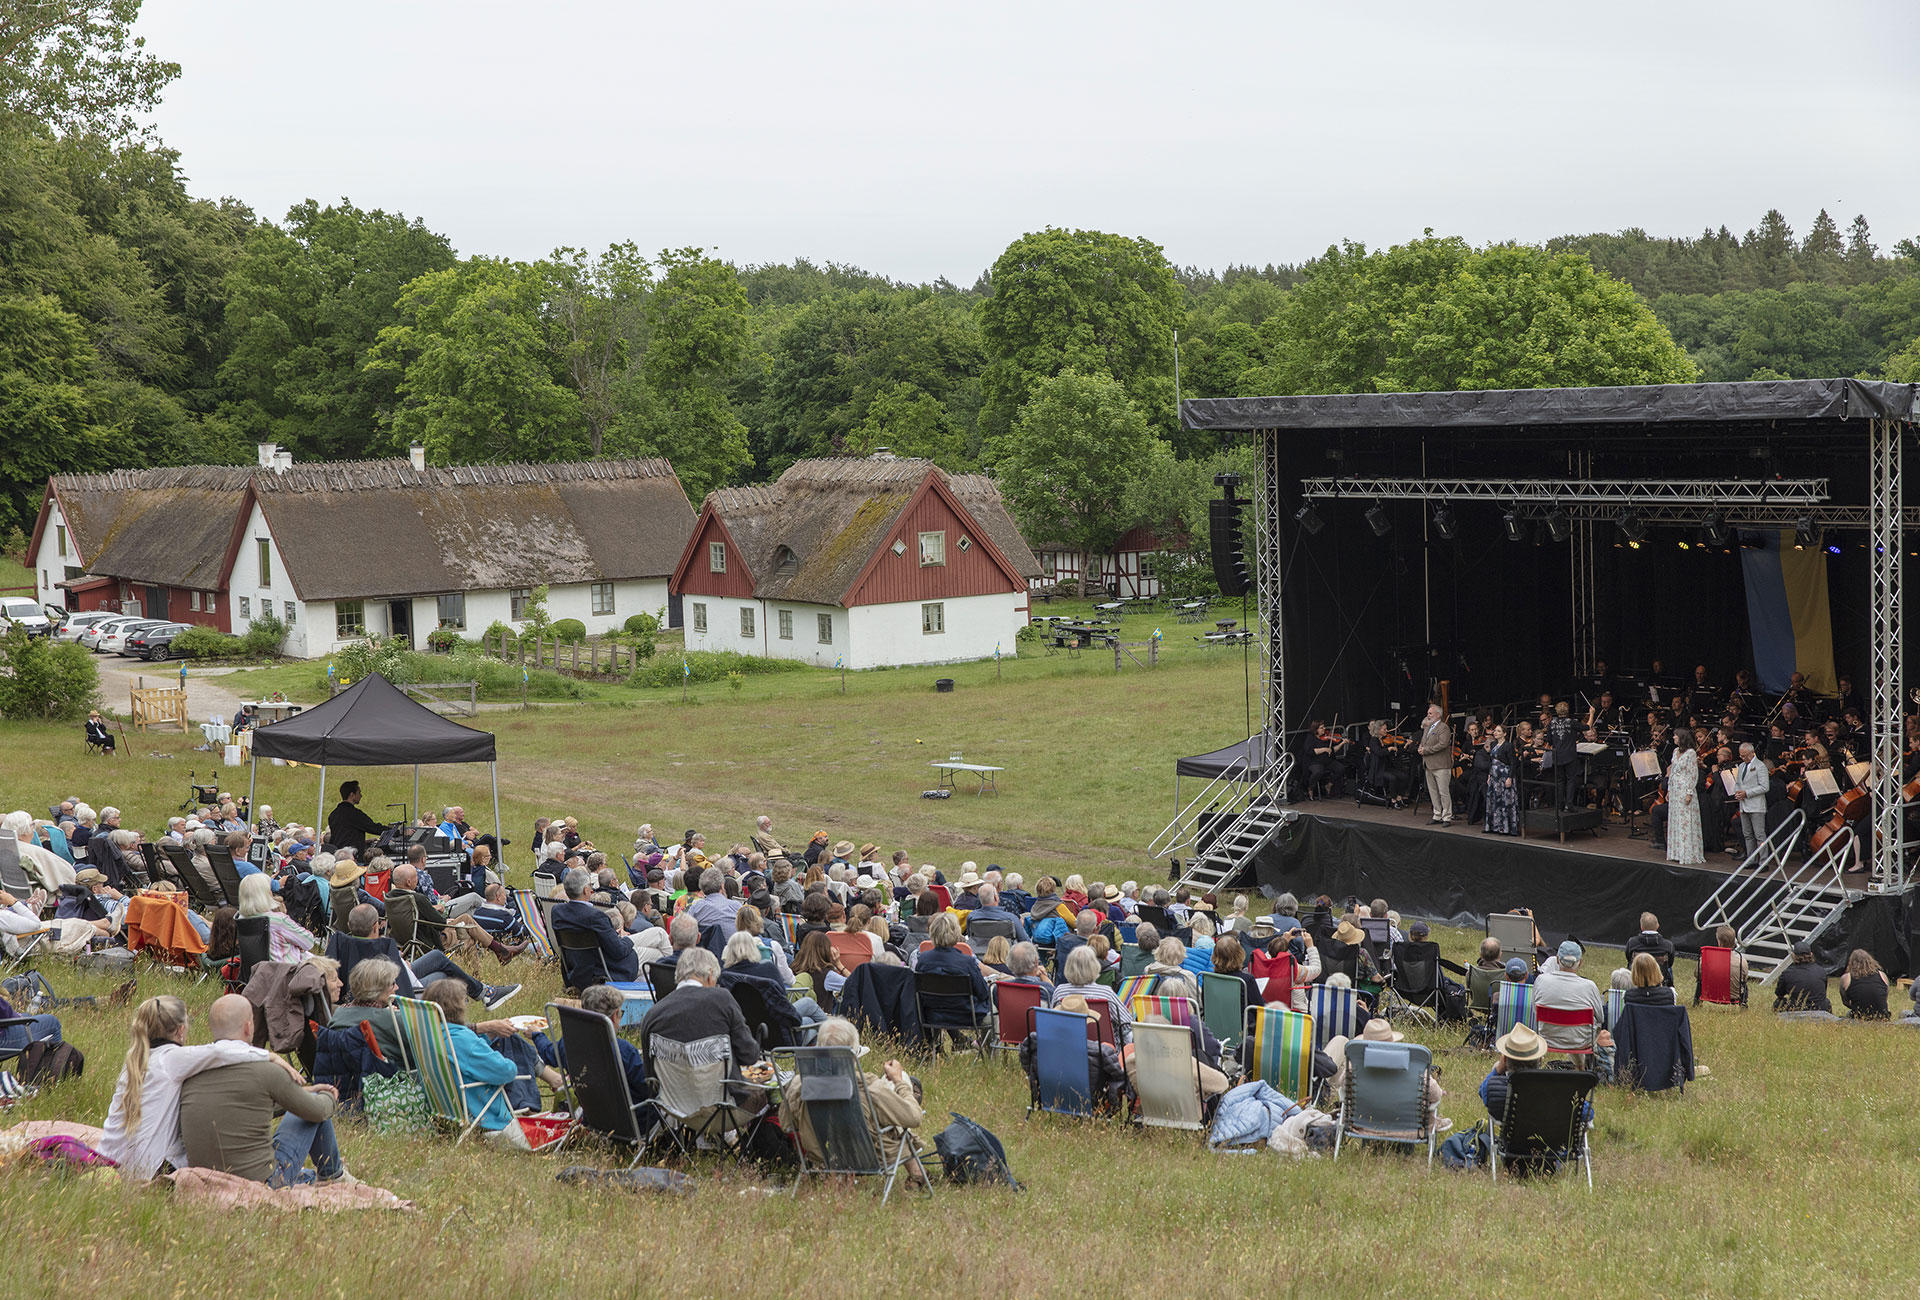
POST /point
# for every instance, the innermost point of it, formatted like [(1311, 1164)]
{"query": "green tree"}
[(1862, 256), (1080, 300), (47, 405), (77, 66), (1071, 462), (1823, 253), (44, 679), (1769, 251), (1903, 367), (697, 320), (306, 304), (597, 309), (471, 365)]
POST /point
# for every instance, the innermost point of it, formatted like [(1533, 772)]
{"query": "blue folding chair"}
[(1512, 1005), (1061, 1086), (1385, 1099)]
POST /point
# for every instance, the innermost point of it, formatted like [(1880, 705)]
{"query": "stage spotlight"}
[(1558, 523), (1516, 527), (1683, 544), (1833, 550), (1716, 530), (1805, 533), (1309, 519), (1632, 529), (1377, 519), (1444, 523)]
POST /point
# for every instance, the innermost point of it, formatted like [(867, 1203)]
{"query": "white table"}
[(985, 773)]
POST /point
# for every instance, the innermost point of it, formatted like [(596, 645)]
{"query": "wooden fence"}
[(158, 706), (589, 658)]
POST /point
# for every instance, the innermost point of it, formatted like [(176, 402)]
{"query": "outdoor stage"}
[(1593, 888)]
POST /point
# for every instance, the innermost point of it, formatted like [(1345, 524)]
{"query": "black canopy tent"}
[(373, 724)]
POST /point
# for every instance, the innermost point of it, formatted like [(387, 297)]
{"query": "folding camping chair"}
[(1335, 1012), (597, 1080), (200, 892), (1012, 999), (852, 949), (1512, 1005), (427, 1049), (1515, 931), (1480, 982), (14, 879), (56, 840), (789, 928), (1385, 1099), (1062, 1084), (1563, 1018), (225, 873), (1134, 986), (1547, 1118), (1223, 1005), (1616, 1000), (1175, 1011), (1280, 1050), (585, 960), (842, 1116), (951, 989), (695, 1098), (255, 946), (1277, 975), (661, 976), (533, 919), (1416, 982), (1715, 979), (1166, 1075), (982, 933)]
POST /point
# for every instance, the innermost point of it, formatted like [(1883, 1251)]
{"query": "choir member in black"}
[(1744, 694), (1715, 805), (1388, 770), (1563, 736), (1603, 676), (1797, 693), (1477, 772), (1777, 743)]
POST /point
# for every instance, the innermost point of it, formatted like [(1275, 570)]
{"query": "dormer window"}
[(785, 562)]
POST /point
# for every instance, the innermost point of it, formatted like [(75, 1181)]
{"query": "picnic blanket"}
[(218, 1191)]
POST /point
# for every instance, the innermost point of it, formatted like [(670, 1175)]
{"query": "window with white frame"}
[(246, 607), (266, 604), (517, 600), (699, 618), (933, 549), (452, 610), (786, 625), (933, 618), (602, 594), (717, 557), (212, 603), (349, 619), (746, 620), (193, 601), (264, 549), (60, 531), (825, 625)]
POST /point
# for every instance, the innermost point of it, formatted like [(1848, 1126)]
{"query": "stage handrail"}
[(1764, 868), (1183, 827)]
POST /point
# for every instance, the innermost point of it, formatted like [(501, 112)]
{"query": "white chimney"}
[(883, 453), (282, 461), (265, 450), (417, 453)]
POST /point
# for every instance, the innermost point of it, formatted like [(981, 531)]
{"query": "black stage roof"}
[(1755, 402)]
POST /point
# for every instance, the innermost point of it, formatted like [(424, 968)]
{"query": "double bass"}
[(1853, 805)]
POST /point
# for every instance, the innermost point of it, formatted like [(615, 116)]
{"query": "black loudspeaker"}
[(1229, 548)]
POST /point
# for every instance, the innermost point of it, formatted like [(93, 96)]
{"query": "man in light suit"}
[(1751, 781), (1436, 753)]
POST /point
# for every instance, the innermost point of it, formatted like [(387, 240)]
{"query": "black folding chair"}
[(949, 987), (255, 946), (1415, 982), (843, 1119), (982, 933), (580, 954), (1545, 1122), (602, 1103), (661, 976), (225, 873)]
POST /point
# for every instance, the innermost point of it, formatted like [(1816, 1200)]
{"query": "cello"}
[(1852, 806)]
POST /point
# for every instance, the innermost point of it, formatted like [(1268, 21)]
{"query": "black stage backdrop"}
[(1458, 877)]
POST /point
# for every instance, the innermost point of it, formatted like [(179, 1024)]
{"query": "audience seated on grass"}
[(1082, 980), (493, 1053), (142, 1128), (895, 1104), (1800, 988), (1864, 987), (226, 1113), (1565, 989), (1648, 982)]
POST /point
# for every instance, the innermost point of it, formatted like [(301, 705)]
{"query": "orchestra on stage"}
[(1702, 767)]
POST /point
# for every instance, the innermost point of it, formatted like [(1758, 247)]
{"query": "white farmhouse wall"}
[(49, 566), (805, 645), (277, 591), (723, 625), (890, 634)]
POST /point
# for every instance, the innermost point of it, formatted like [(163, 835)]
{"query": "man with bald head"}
[(226, 1114)]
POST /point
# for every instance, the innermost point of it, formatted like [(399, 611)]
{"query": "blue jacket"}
[(341, 1057), (479, 1063), (623, 963)]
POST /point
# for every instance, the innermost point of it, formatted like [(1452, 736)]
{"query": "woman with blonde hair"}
[(1649, 982), (142, 1129), (749, 921)]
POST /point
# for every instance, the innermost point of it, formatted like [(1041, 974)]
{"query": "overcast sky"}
[(918, 139)]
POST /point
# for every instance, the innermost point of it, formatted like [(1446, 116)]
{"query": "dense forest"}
[(141, 324)]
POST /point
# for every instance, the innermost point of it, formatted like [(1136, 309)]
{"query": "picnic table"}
[(1111, 607), (984, 772), (1191, 611)]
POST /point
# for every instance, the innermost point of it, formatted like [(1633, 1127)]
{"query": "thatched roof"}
[(373, 529), (834, 514)]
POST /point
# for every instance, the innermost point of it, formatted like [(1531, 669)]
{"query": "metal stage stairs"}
[(1772, 905), (1258, 809)]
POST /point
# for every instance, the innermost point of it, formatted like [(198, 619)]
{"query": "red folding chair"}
[(1566, 1019), (852, 949), (942, 893), (1012, 999), (1278, 974), (1105, 1026), (1716, 979), (926, 945)]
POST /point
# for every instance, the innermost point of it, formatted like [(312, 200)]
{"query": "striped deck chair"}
[(1334, 1012), (1280, 1049), (1175, 1011), (1512, 1005), (1610, 1013), (1135, 986), (427, 1050), (540, 942), (789, 925)]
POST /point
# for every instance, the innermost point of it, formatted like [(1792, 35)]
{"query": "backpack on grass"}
[(969, 1153)]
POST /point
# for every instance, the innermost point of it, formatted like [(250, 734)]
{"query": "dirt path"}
[(206, 697)]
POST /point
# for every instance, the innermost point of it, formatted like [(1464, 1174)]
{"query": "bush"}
[(494, 678), (443, 640), (205, 643), (266, 635), (642, 632), (497, 629), (709, 666), (569, 631), (45, 679)]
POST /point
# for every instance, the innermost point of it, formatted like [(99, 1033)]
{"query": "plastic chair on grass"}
[(427, 1049), (1223, 1004), (694, 1097), (1276, 974), (1547, 1117), (1386, 1096), (1564, 1018), (1012, 999), (1716, 979), (843, 1119), (1280, 1050), (953, 992), (1166, 1076), (852, 949)]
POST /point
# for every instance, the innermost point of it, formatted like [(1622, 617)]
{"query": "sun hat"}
[(970, 878), (90, 876), (345, 872), (844, 849), (1377, 1030), (1520, 1044), (1348, 932)]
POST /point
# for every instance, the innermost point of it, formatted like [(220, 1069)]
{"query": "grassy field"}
[(1783, 1169)]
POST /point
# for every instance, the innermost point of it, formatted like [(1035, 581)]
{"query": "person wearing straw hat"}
[(1520, 1049), (342, 891)]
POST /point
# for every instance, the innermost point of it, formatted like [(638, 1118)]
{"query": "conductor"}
[(347, 826)]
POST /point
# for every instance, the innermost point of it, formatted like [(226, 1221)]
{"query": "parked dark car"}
[(153, 642)]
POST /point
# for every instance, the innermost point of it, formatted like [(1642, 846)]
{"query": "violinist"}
[(1387, 767), (1777, 744), (1849, 701), (1480, 767), (1714, 801), (1327, 752)]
